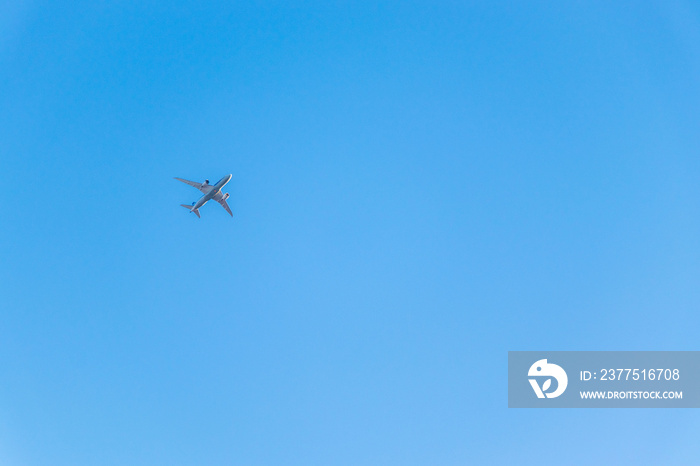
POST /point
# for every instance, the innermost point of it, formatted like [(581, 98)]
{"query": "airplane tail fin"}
[(189, 207)]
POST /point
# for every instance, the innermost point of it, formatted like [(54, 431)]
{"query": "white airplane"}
[(210, 192)]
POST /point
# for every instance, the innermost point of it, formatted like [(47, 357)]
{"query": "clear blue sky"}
[(417, 189)]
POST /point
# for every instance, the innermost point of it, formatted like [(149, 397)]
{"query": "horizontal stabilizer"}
[(189, 207)]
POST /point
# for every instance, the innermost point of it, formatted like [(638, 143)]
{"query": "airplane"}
[(211, 191)]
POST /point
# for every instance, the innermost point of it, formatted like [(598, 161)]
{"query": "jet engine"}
[(226, 196), (206, 182)]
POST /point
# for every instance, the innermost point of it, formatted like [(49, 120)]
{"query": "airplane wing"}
[(225, 206), (194, 184)]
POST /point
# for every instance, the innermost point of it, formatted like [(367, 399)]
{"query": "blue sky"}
[(417, 189)]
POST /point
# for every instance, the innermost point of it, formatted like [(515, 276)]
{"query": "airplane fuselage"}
[(212, 193)]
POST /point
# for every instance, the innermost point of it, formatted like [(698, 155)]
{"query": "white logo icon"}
[(543, 369)]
